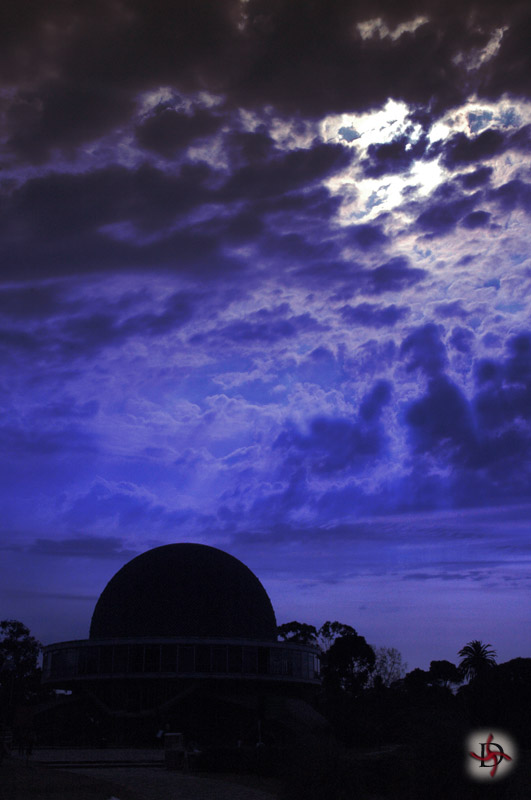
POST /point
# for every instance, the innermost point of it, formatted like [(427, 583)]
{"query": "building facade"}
[(184, 634)]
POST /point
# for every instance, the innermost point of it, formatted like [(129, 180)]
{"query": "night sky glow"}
[(266, 286)]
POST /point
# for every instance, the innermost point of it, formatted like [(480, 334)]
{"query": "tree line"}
[(348, 662)]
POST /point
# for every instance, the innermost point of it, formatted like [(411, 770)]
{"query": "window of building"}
[(152, 658), (250, 660), (235, 659), (219, 658), (186, 658), (168, 656), (136, 658), (202, 658)]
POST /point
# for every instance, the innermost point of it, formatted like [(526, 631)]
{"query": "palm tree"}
[(477, 658)]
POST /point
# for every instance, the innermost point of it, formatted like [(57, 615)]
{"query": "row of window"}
[(121, 659)]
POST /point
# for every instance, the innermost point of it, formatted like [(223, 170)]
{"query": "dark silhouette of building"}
[(184, 636)]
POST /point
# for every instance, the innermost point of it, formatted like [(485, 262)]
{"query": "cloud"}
[(167, 131), (444, 211), (504, 387), (484, 441), (473, 180), (441, 421), (83, 547), (513, 194), (301, 60), (451, 309), (462, 339), (366, 237), (425, 350), (62, 114), (394, 276), (334, 444), (127, 507), (265, 326), (460, 149), (393, 157), (23, 440), (476, 219), (286, 172), (373, 316), (30, 302)]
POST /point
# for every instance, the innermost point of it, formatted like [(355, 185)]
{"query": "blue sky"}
[(266, 286)]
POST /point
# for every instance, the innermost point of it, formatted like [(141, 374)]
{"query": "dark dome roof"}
[(184, 590)]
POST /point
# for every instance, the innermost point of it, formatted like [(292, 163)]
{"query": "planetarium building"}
[(186, 634)]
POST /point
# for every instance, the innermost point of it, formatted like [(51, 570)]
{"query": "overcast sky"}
[(266, 286)]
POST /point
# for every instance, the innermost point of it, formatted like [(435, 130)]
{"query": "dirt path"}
[(21, 782), (34, 782), (159, 784)]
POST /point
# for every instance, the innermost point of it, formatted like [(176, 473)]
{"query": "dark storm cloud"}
[(16, 340), (511, 195), (265, 326), (92, 332), (349, 277), (504, 387), (293, 248), (366, 237), (75, 335), (394, 157), (334, 444), (510, 68), (107, 52), (178, 309), (286, 172), (82, 547), (326, 57), (460, 149), (452, 309), (85, 335), (22, 441), (373, 316), (81, 63), (486, 440), (440, 419), (393, 276), (110, 218), (444, 210), (167, 131), (119, 218), (473, 180), (61, 206), (462, 339), (26, 303), (126, 507), (62, 115), (476, 219)]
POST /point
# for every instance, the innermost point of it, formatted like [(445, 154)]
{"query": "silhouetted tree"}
[(444, 672), (297, 632), (19, 653), (330, 631), (476, 659), (416, 681), (388, 666), (348, 664)]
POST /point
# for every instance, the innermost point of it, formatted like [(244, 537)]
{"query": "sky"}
[(265, 285)]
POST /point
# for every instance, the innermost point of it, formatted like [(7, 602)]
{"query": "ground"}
[(19, 781)]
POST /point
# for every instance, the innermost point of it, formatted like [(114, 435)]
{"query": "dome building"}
[(184, 634)]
